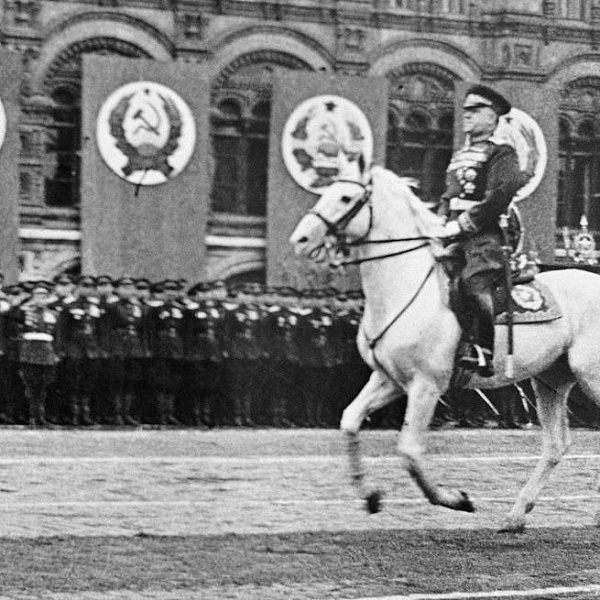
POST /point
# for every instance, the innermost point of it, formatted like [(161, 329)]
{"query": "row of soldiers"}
[(98, 350)]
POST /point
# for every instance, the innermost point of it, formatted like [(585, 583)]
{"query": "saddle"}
[(531, 300)]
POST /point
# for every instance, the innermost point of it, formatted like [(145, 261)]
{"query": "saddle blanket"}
[(532, 302)]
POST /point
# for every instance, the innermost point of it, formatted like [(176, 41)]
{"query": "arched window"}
[(63, 146), (240, 116), (62, 83), (579, 155), (420, 126)]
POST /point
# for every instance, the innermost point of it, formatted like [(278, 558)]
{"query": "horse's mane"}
[(427, 222)]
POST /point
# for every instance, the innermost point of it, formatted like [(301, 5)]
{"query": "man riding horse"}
[(482, 179)]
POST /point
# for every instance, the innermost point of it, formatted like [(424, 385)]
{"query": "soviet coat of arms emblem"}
[(146, 133), (522, 132), (321, 134)]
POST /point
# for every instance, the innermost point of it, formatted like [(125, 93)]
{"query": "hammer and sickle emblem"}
[(145, 124)]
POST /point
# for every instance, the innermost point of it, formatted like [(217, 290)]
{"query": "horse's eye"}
[(346, 199)]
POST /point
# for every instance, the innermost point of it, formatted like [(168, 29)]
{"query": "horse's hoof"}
[(510, 526), (373, 502), (465, 503)]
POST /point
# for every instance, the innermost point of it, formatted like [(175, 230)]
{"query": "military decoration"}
[(146, 133), (523, 133), (321, 135)]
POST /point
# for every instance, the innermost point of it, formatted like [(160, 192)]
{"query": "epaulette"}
[(154, 303), (192, 305), (112, 300), (69, 300), (301, 311)]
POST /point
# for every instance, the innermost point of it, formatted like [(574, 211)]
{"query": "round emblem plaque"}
[(523, 133), (320, 136), (146, 133)]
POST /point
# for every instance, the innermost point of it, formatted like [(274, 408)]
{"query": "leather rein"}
[(335, 229)]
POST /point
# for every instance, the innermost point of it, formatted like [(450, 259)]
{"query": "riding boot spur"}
[(127, 410), (85, 417)]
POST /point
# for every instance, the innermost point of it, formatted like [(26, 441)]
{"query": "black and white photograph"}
[(300, 300)]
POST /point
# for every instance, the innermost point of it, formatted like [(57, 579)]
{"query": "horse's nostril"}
[(303, 240)]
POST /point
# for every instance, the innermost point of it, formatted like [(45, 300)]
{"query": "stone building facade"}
[(425, 48)]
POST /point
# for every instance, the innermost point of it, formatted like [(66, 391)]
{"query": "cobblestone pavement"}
[(90, 483)]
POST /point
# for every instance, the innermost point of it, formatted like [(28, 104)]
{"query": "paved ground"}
[(204, 483), (270, 515)]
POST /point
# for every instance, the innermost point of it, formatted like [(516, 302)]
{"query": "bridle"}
[(336, 230)]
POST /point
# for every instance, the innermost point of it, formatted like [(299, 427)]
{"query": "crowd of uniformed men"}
[(100, 351), (93, 350)]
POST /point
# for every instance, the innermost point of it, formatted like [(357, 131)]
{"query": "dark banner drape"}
[(316, 118), (10, 75), (145, 168)]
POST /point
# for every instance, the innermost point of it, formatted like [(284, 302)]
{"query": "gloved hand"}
[(450, 229)]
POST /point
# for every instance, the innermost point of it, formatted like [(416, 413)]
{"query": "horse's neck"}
[(391, 283)]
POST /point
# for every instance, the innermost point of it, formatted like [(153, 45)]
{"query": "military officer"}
[(245, 350), (103, 396), (127, 321), (58, 404), (80, 331), (37, 358), (205, 354), (482, 179), (166, 334)]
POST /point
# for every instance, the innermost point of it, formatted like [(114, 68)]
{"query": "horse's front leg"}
[(423, 395), (377, 393)]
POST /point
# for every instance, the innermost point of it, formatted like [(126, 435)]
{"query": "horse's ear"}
[(362, 165)]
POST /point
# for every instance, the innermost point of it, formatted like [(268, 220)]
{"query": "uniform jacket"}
[(37, 325), (128, 328), (484, 177), (81, 329), (205, 331), (244, 331), (166, 329)]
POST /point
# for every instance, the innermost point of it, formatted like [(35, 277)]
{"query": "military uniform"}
[(205, 357), (127, 322), (244, 349), (37, 358), (282, 327), (482, 179), (80, 334), (167, 345)]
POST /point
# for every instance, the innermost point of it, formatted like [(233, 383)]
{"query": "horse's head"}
[(338, 212)]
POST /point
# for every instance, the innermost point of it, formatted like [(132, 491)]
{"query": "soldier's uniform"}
[(127, 320), (245, 350), (12, 387), (103, 396), (482, 179), (205, 355), (58, 408), (37, 358), (80, 331), (283, 367), (167, 338)]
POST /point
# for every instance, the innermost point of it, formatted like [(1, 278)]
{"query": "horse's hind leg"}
[(552, 389)]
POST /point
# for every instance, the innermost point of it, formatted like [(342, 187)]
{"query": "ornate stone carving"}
[(67, 65), (422, 82), (581, 95), (523, 55), (191, 26), (351, 39), (22, 13)]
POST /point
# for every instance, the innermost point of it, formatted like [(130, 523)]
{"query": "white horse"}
[(409, 335)]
